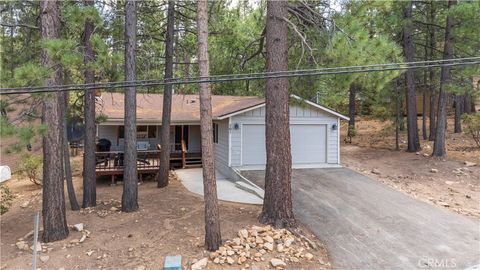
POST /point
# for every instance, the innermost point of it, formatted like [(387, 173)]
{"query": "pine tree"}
[(277, 203), (162, 176), (213, 238), (53, 198), (409, 52), (89, 164), (439, 149), (130, 179), (63, 103)]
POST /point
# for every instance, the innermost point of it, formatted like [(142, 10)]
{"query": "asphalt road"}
[(368, 225)]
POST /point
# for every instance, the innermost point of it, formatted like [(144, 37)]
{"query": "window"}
[(215, 132), (143, 132)]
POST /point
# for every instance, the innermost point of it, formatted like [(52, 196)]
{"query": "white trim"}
[(338, 141), (240, 112), (229, 142), (321, 107), (241, 144), (327, 135)]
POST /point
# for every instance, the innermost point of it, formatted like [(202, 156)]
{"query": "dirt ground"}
[(170, 222), (447, 183)]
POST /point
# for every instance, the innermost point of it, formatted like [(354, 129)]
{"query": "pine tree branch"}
[(303, 41), (429, 24), (20, 25), (261, 41)]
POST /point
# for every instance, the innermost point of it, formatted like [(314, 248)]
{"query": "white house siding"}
[(109, 133), (298, 116), (221, 148)]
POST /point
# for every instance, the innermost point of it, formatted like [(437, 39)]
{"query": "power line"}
[(248, 76), (235, 76), (225, 78)]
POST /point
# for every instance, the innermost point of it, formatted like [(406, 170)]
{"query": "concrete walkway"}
[(192, 179), (368, 225)]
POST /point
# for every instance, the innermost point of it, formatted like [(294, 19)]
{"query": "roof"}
[(186, 108), (316, 105)]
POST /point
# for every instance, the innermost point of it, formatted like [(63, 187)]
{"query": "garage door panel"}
[(308, 144), (253, 145)]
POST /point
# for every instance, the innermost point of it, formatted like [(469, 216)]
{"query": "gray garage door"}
[(308, 144)]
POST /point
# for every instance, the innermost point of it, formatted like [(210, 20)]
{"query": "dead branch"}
[(303, 40), (261, 41)]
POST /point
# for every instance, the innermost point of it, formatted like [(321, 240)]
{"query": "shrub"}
[(31, 167), (6, 198), (472, 126)]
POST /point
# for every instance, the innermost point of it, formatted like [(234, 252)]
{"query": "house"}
[(238, 127)]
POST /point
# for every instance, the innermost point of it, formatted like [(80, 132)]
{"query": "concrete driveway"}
[(368, 225), (192, 179)]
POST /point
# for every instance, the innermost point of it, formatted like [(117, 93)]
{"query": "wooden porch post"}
[(182, 142)]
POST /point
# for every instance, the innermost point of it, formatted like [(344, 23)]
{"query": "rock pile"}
[(104, 208), (25, 245), (254, 244)]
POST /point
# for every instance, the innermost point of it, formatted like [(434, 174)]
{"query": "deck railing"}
[(113, 161)]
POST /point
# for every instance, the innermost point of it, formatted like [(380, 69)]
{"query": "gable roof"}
[(313, 104), (186, 108), (316, 105)]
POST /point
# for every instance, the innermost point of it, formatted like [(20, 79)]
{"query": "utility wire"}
[(261, 75), (236, 76), (248, 76), (220, 78)]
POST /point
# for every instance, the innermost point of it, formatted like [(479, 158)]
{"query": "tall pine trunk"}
[(409, 51), (162, 176), (431, 73), (63, 101), (439, 149), (277, 204), (424, 116), (213, 238), (89, 177), (459, 102), (467, 106), (432, 113), (398, 105), (53, 205), (352, 93), (130, 174)]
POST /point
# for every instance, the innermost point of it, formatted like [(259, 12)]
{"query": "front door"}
[(181, 133)]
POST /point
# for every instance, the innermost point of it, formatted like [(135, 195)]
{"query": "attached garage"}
[(314, 132), (308, 144)]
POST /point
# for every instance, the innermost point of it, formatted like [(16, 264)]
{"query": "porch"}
[(111, 163)]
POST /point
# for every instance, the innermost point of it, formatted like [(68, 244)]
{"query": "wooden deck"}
[(148, 162)]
